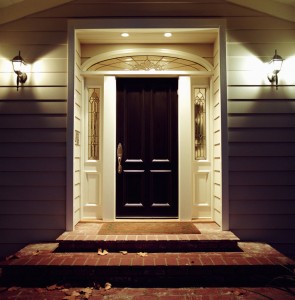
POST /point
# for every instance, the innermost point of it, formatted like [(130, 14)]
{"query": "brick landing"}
[(86, 237)]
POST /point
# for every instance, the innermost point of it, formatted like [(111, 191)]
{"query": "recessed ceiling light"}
[(167, 34), (124, 34)]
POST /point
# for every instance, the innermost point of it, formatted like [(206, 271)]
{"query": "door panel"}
[(147, 118)]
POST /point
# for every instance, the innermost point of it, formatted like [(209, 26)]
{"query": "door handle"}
[(119, 157)]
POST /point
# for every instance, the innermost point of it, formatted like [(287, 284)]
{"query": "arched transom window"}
[(146, 63)]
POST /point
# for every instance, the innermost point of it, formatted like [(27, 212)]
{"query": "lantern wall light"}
[(18, 67), (275, 67)]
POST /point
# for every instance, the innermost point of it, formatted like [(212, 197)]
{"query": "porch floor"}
[(88, 231)]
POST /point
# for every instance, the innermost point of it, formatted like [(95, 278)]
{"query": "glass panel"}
[(146, 63), (200, 123), (93, 123)]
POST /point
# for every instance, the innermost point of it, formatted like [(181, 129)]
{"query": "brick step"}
[(256, 265), (143, 245), (86, 237)]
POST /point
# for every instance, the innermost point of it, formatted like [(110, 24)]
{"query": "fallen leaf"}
[(102, 252), (67, 292), (124, 252), (52, 287), (239, 293), (39, 290), (107, 286), (75, 294), (36, 252), (142, 254), (13, 288), (69, 298), (13, 256), (86, 290)]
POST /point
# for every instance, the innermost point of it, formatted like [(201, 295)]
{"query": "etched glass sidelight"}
[(93, 123), (200, 123)]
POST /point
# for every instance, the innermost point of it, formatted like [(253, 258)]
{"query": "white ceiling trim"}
[(25, 8), (271, 7)]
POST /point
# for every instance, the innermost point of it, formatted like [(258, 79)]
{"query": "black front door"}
[(147, 140)]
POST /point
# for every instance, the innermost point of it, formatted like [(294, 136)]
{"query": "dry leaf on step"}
[(13, 288), (86, 292), (13, 256), (102, 252), (239, 293), (123, 252), (107, 286), (69, 298), (142, 254), (75, 294), (54, 287)]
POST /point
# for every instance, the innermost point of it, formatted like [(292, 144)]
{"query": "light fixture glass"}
[(167, 34), (275, 67), (125, 34), (18, 67)]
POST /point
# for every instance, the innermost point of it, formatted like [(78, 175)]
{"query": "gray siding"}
[(32, 134), (261, 131)]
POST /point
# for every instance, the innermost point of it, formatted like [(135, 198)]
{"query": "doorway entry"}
[(195, 58), (147, 148)]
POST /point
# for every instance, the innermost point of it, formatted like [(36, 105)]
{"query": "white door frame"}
[(184, 149), (74, 25)]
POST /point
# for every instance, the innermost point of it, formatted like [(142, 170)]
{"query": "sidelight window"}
[(200, 123), (93, 123)]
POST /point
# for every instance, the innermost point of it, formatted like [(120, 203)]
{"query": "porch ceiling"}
[(147, 36), (11, 10)]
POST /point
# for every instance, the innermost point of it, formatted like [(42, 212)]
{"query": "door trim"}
[(73, 43)]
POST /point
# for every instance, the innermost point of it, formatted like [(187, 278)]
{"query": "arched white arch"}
[(143, 51)]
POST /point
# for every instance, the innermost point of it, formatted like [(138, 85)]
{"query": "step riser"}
[(149, 246), (153, 276)]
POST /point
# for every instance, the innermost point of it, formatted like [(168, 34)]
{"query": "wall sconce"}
[(18, 64), (275, 67)]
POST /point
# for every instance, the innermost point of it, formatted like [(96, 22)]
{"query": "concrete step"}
[(256, 264)]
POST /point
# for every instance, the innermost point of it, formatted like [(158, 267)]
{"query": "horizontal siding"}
[(32, 193), (33, 123), (261, 131)]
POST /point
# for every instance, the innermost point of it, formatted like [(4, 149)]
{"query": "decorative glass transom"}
[(200, 123), (93, 123), (147, 63)]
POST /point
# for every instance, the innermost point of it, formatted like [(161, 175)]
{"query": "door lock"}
[(119, 157)]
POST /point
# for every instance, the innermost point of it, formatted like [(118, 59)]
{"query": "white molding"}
[(146, 73)]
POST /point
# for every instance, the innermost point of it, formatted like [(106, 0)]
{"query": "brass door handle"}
[(119, 157)]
